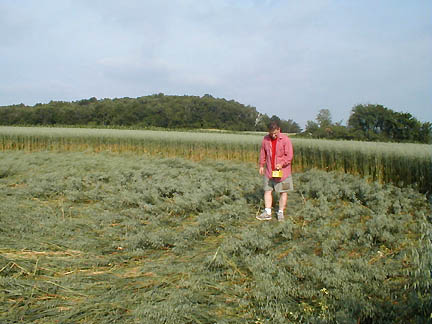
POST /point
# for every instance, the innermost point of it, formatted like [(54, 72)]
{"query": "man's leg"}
[(268, 199), (266, 215), (282, 204), (283, 200)]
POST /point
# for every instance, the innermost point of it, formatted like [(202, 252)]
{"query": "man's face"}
[(274, 133)]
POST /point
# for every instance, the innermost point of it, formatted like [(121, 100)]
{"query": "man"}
[(276, 155)]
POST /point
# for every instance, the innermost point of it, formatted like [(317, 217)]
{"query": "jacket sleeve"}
[(262, 157), (288, 152)]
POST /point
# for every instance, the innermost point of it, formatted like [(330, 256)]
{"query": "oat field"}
[(401, 164), (104, 237)]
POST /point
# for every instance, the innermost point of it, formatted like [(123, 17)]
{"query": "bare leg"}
[(268, 199), (283, 200)]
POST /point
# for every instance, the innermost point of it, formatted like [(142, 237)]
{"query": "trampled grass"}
[(400, 164), (105, 238)]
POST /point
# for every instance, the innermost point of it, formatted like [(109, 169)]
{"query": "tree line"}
[(371, 123), (158, 110), (366, 122)]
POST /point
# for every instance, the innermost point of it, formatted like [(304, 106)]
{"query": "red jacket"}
[(284, 155)]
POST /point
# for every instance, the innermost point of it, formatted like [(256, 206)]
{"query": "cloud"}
[(289, 58)]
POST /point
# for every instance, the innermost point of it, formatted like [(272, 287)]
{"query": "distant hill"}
[(159, 110)]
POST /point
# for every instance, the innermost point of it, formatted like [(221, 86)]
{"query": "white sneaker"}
[(264, 216), (280, 216)]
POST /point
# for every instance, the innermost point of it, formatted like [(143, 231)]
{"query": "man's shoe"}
[(280, 216), (264, 216)]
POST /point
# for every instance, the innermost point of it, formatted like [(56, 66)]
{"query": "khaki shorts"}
[(284, 186)]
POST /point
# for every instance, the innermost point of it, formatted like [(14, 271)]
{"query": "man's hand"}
[(261, 170), (278, 166)]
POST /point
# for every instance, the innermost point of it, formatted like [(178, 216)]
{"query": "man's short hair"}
[(273, 125)]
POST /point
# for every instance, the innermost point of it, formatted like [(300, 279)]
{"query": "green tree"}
[(157, 110), (324, 118), (311, 127), (376, 122), (289, 126), (425, 133)]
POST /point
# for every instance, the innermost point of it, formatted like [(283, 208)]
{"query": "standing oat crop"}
[(276, 155)]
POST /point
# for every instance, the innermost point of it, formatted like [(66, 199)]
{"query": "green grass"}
[(109, 238)]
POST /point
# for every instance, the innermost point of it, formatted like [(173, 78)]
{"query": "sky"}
[(286, 58)]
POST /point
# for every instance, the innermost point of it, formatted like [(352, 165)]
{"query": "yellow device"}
[(277, 173)]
